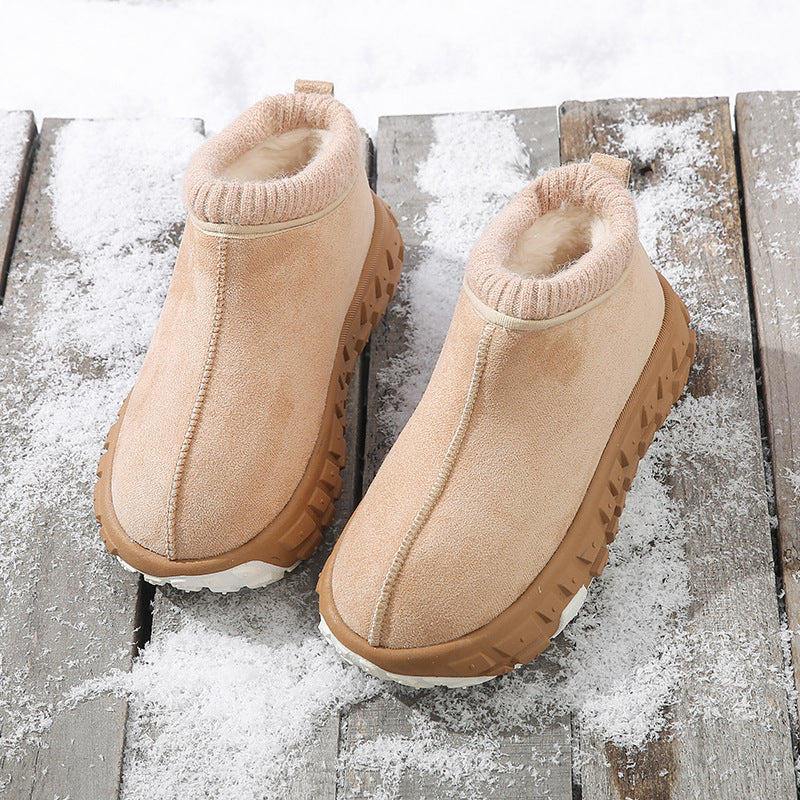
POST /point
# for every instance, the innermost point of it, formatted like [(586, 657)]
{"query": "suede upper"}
[(229, 403), (483, 482)]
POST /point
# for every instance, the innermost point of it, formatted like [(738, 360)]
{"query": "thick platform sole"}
[(431, 681), (297, 531), (524, 630)]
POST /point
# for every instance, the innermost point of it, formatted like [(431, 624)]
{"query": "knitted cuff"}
[(329, 174), (548, 296)]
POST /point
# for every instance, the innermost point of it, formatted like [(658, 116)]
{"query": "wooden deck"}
[(68, 614)]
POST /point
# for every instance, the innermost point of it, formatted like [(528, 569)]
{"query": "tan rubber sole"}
[(525, 628), (297, 531)]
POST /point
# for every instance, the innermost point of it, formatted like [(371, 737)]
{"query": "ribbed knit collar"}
[(319, 184), (548, 296)]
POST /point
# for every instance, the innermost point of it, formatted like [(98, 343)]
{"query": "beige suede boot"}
[(224, 464), (478, 537)]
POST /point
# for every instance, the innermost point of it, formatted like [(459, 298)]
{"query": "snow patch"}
[(228, 694), (212, 59), (79, 321), (475, 165), (13, 136), (673, 211), (784, 185)]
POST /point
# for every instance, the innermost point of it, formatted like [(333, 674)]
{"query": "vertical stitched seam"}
[(436, 489), (211, 352)]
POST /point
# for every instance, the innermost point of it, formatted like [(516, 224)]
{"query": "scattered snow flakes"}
[(677, 205), (794, 481), (785, 186), (446, 764), (80, 322), (476, 164), (13, 135), (229, 694)]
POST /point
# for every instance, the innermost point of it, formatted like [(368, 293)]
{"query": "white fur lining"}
[(557, 240), (279, 156)]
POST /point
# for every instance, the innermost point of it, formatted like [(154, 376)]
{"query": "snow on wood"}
[(768, 124), (729, 662), (672, 671), (85, 283), (17, 133)]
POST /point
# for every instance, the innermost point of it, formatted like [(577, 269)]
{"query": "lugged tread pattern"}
[(524, 630), (299, 537)]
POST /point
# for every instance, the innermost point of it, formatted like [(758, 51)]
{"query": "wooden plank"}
[(68, 613), (537, 766), (768, 127), (17, 139), (404, 144), (713, 751), (315, 777)]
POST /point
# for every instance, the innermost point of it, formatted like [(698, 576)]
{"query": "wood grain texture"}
[(20, 129), (67, 611), (542, 762), (315, 778), (539, 766), (720, 754), (768, 127), (403, 145)]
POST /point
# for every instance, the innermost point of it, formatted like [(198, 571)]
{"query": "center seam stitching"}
[(436, 489), (188, 437)]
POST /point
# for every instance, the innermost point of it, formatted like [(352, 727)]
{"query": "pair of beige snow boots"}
[(478, 538)]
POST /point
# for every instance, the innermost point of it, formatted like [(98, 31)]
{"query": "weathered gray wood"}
[(17, 139), (768, 127), (540, 764), (543, 759), (67, 611), (729, 549), (315, 777), (403, 144)]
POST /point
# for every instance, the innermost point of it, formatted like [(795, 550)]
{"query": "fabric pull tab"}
[(620, 168), (313, 87)]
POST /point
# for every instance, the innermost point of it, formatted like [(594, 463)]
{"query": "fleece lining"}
[(494, 272)]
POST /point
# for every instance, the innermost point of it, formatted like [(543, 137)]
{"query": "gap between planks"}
[(11, 206), (716, 757), (768, 125)]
